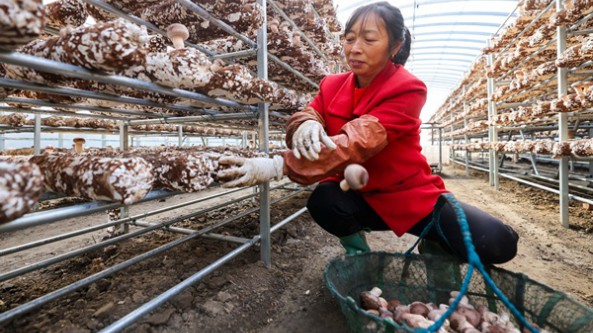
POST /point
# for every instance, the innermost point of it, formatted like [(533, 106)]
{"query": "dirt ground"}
[(243, 295)]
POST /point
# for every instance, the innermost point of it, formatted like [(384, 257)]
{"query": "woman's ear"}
[(396, 49)]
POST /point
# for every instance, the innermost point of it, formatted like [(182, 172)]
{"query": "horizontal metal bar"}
[(42, 102), (512, 105), (140, 21), (187, 231), (55, 67), (177, 120), (33, 219), (294, 26), (580, 32), (9, 83), (292, 70), (222, 25), (235, 55), (58, 113)]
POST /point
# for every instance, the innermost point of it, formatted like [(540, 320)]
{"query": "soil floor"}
[(242, 295)]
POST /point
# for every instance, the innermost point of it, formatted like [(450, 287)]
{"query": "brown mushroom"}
[(355, 177), (78, 144), (274, 23), (178, 33), (370, 299)]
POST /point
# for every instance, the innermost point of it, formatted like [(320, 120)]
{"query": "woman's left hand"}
[(307, 140)]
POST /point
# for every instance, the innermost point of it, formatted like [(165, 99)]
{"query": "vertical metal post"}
[(60, 140), (492, 136), (123, 145), (264, 196), (590, 162), (244, 139), (180, 132), (37, 135), (465, 136), (562, 122), (440, 149), (2, 141), (103, 140)]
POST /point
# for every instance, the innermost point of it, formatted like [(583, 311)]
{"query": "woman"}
[(370, 116)]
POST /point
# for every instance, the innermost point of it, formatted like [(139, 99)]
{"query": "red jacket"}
[(401, 188)]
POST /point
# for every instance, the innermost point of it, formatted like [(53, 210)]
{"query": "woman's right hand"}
[(307, 140)]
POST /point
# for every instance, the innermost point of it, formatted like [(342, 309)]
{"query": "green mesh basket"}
[(428, 278)]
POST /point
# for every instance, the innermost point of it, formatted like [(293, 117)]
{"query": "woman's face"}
[(367, 48)]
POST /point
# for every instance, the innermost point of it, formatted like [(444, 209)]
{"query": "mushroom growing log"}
[(21, 184)]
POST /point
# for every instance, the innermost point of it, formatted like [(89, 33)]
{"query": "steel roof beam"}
[(462, 14), (455, 32), (455, 24), (440, 60), (440, 47), (412, 3), (460, 40), (447, 54)]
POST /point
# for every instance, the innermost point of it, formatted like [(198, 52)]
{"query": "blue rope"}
[(473, 262)]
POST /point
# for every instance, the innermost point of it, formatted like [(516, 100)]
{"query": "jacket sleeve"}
[(358, 140)]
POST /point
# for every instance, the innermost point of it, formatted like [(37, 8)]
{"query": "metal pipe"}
[(106, 225), (220, 24), (33, 219), (55, 67), (290, 69), (41, 102), (56, 113), (177, 120), (10, 83), (562, 122), (37, 135), (235, 55), (187, 231)]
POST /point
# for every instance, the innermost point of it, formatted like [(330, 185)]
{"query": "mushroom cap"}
[(356, 176), (177, 30), (79, 140)]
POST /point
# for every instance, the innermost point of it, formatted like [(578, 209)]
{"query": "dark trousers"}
[(344, 213)]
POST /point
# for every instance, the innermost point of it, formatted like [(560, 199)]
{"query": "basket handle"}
[(473, 263)]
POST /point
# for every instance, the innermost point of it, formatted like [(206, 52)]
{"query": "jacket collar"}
[(341, 105)]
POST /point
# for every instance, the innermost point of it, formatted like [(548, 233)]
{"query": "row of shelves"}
[(535, 97)]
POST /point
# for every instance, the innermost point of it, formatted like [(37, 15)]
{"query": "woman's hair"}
[(394, 24)]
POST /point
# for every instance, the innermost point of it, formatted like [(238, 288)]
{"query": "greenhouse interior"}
[(296, 166)]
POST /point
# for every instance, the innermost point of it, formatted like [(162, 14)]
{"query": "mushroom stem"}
[(78, 145), (177, 33)]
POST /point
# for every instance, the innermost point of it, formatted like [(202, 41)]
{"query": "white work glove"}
[(250, 171), (307, 140)]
